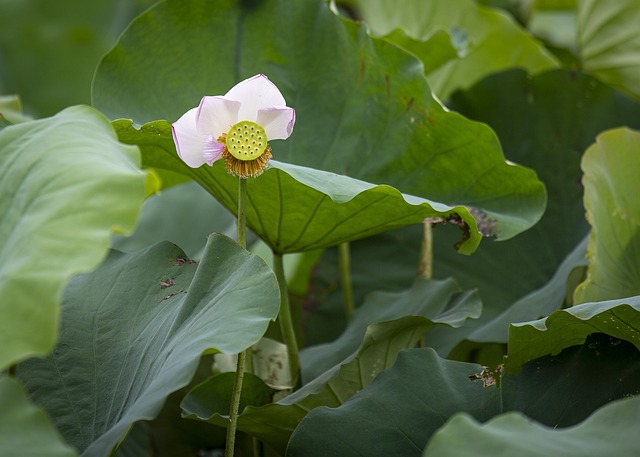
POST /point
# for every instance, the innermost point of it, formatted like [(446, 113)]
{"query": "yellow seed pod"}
[(246, 140)]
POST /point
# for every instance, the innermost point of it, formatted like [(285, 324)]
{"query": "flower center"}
[(246, 140)]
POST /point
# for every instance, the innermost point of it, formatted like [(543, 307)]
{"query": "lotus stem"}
[(345, 273), (234, 407), (425, 265), (286, 320)]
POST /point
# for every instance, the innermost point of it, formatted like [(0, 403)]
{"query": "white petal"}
[(216, 115), (277, 122), (255, 93), (187, 139), (211, 150)]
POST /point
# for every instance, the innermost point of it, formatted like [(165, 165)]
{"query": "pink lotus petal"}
[(277, 122), (255, 93), (187, 139), (216, 115), (211, 150)]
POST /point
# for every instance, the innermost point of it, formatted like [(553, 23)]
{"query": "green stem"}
[(237, 385), (242, 212), (345, 273), (425, 266), (235, 407), (286, 320)]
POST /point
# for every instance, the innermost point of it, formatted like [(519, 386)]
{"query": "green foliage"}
[(124, 355), (132, 367), (568, 327), (399, 411), (609, 43), (66, 185), (611, 168), (362, 105), (486, 41)]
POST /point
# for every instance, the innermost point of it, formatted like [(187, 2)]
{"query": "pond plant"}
[(406, 228)]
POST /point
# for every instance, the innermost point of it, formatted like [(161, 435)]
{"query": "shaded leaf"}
[(563, 389), (612, 430), (611, 169), (66, 185), (131, 335), (396, 414), (539, 303)]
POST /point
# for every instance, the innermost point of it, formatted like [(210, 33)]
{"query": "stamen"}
[(246, 168)]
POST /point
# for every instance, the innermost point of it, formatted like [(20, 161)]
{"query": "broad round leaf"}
[(294, 208), (611, 188), (363, 107), (65, 184), (133, 332), (25, 429), (612, 430)]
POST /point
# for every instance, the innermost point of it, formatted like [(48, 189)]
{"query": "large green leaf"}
[(25, 429), (569, 327), (488, 41), (131, 335), (612, 430), (442, 302), (65, 185), (398, 412), (273, 423), (611, 169), (363, 107), (294, 208), (609, 43)]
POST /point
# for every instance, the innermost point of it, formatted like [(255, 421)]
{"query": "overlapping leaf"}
[(487, 41), (295, 208), (273, 423), (611, 169), (609, 43), (134, 330), (65, 184), (569, 327), (442, 302), (363, 107), (396, 414)]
